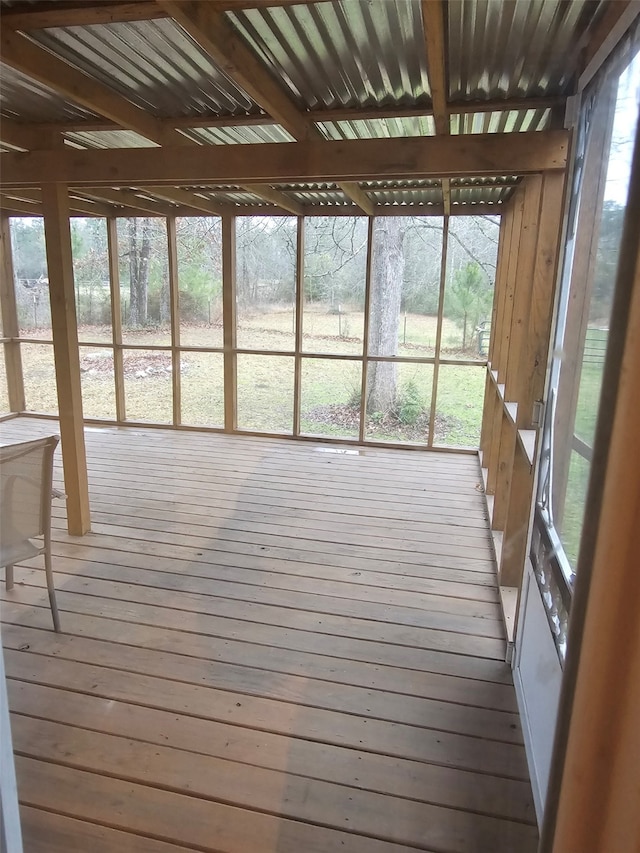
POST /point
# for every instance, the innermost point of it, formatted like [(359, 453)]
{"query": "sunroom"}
[(334, 306)]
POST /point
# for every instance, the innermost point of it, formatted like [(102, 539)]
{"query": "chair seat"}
[(25, 550)]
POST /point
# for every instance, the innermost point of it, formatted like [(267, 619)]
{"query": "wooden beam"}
[(321, 115), (19, 207), (434, 33), (55, 203), (174, 302), (297, 368), (275, 197), (186, 199), (213, 32), (18, 135), (446, 196), (229, 322), (129, 199), (10, 327), (354, 160), (358, 196), (41, 65), (116, 317), (44, 15), (613, 24)]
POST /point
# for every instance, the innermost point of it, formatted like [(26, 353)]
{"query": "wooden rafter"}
[(185, 198), (275, 197), (18, 135), (212, 31), (280, 163), (43, 15), (28, 199), (434, 36), (129, 199)]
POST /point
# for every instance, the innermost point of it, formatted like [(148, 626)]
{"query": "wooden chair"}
[(26, 475)]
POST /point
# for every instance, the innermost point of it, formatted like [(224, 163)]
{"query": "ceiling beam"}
[(354, 160), (185, 198), (18, 135), (434, 34), (213, 32), (215, 35), (43, 15), (275, 197), (128, 199), (339, 114), (41, 65)]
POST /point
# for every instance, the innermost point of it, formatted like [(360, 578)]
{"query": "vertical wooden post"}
[(229, 322), (297, 390), (436, 364), (10, 329), (174, 303), (116, 317), (55, 206), (365, 332)]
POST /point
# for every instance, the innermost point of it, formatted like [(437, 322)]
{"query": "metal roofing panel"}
[(109, 139), (154, 64), (514, 49), (30, 101), (379, 128), (239, 134), (344, 54), (509, 121)]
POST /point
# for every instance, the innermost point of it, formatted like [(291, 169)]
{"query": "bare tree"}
[(139, 252), (387, 275)]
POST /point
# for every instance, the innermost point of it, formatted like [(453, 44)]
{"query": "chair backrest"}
[(26, 474)]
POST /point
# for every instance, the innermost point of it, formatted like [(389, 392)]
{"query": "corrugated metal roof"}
[(509, 121), (240, 134), (30, 101), (109, 139), (512, 49), (345, 54), (379, 128), (154, 64)]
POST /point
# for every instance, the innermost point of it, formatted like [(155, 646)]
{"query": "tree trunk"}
[(385, 301), (139, 251)]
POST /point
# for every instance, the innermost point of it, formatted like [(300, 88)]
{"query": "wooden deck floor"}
[(268, 646)]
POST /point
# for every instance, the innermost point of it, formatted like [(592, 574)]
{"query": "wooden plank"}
[(523, 290), (439, 323), (438, 785), (216, 780), (27, 57), (174, 817), (213, 32), (229, 322), (504, 474), (533, 364), (516, 526), (433, 23), (299, 299), (174, 303), (65, 14), (351, 160), (358, 196), (18, 135), (500, 353), (275, 197), (130, 200), (364, 388), (55, 202), (116, 317), (186, 199), (10, 327)]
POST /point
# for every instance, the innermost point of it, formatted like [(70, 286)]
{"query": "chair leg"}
[(51, 591), (8, 577)]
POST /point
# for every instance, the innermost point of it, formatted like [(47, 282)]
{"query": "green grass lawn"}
[(330, 388)]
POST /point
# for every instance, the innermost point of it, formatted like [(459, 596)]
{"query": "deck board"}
[(268, 646)]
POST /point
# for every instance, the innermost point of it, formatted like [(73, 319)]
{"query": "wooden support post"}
[(229, 322), (10, 328), (436, 364), (365, 333), (526, 256), (174, 306), (116, 317), (504, 469), (516, 520), (55, 205), (297, 370), (503, 332)]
